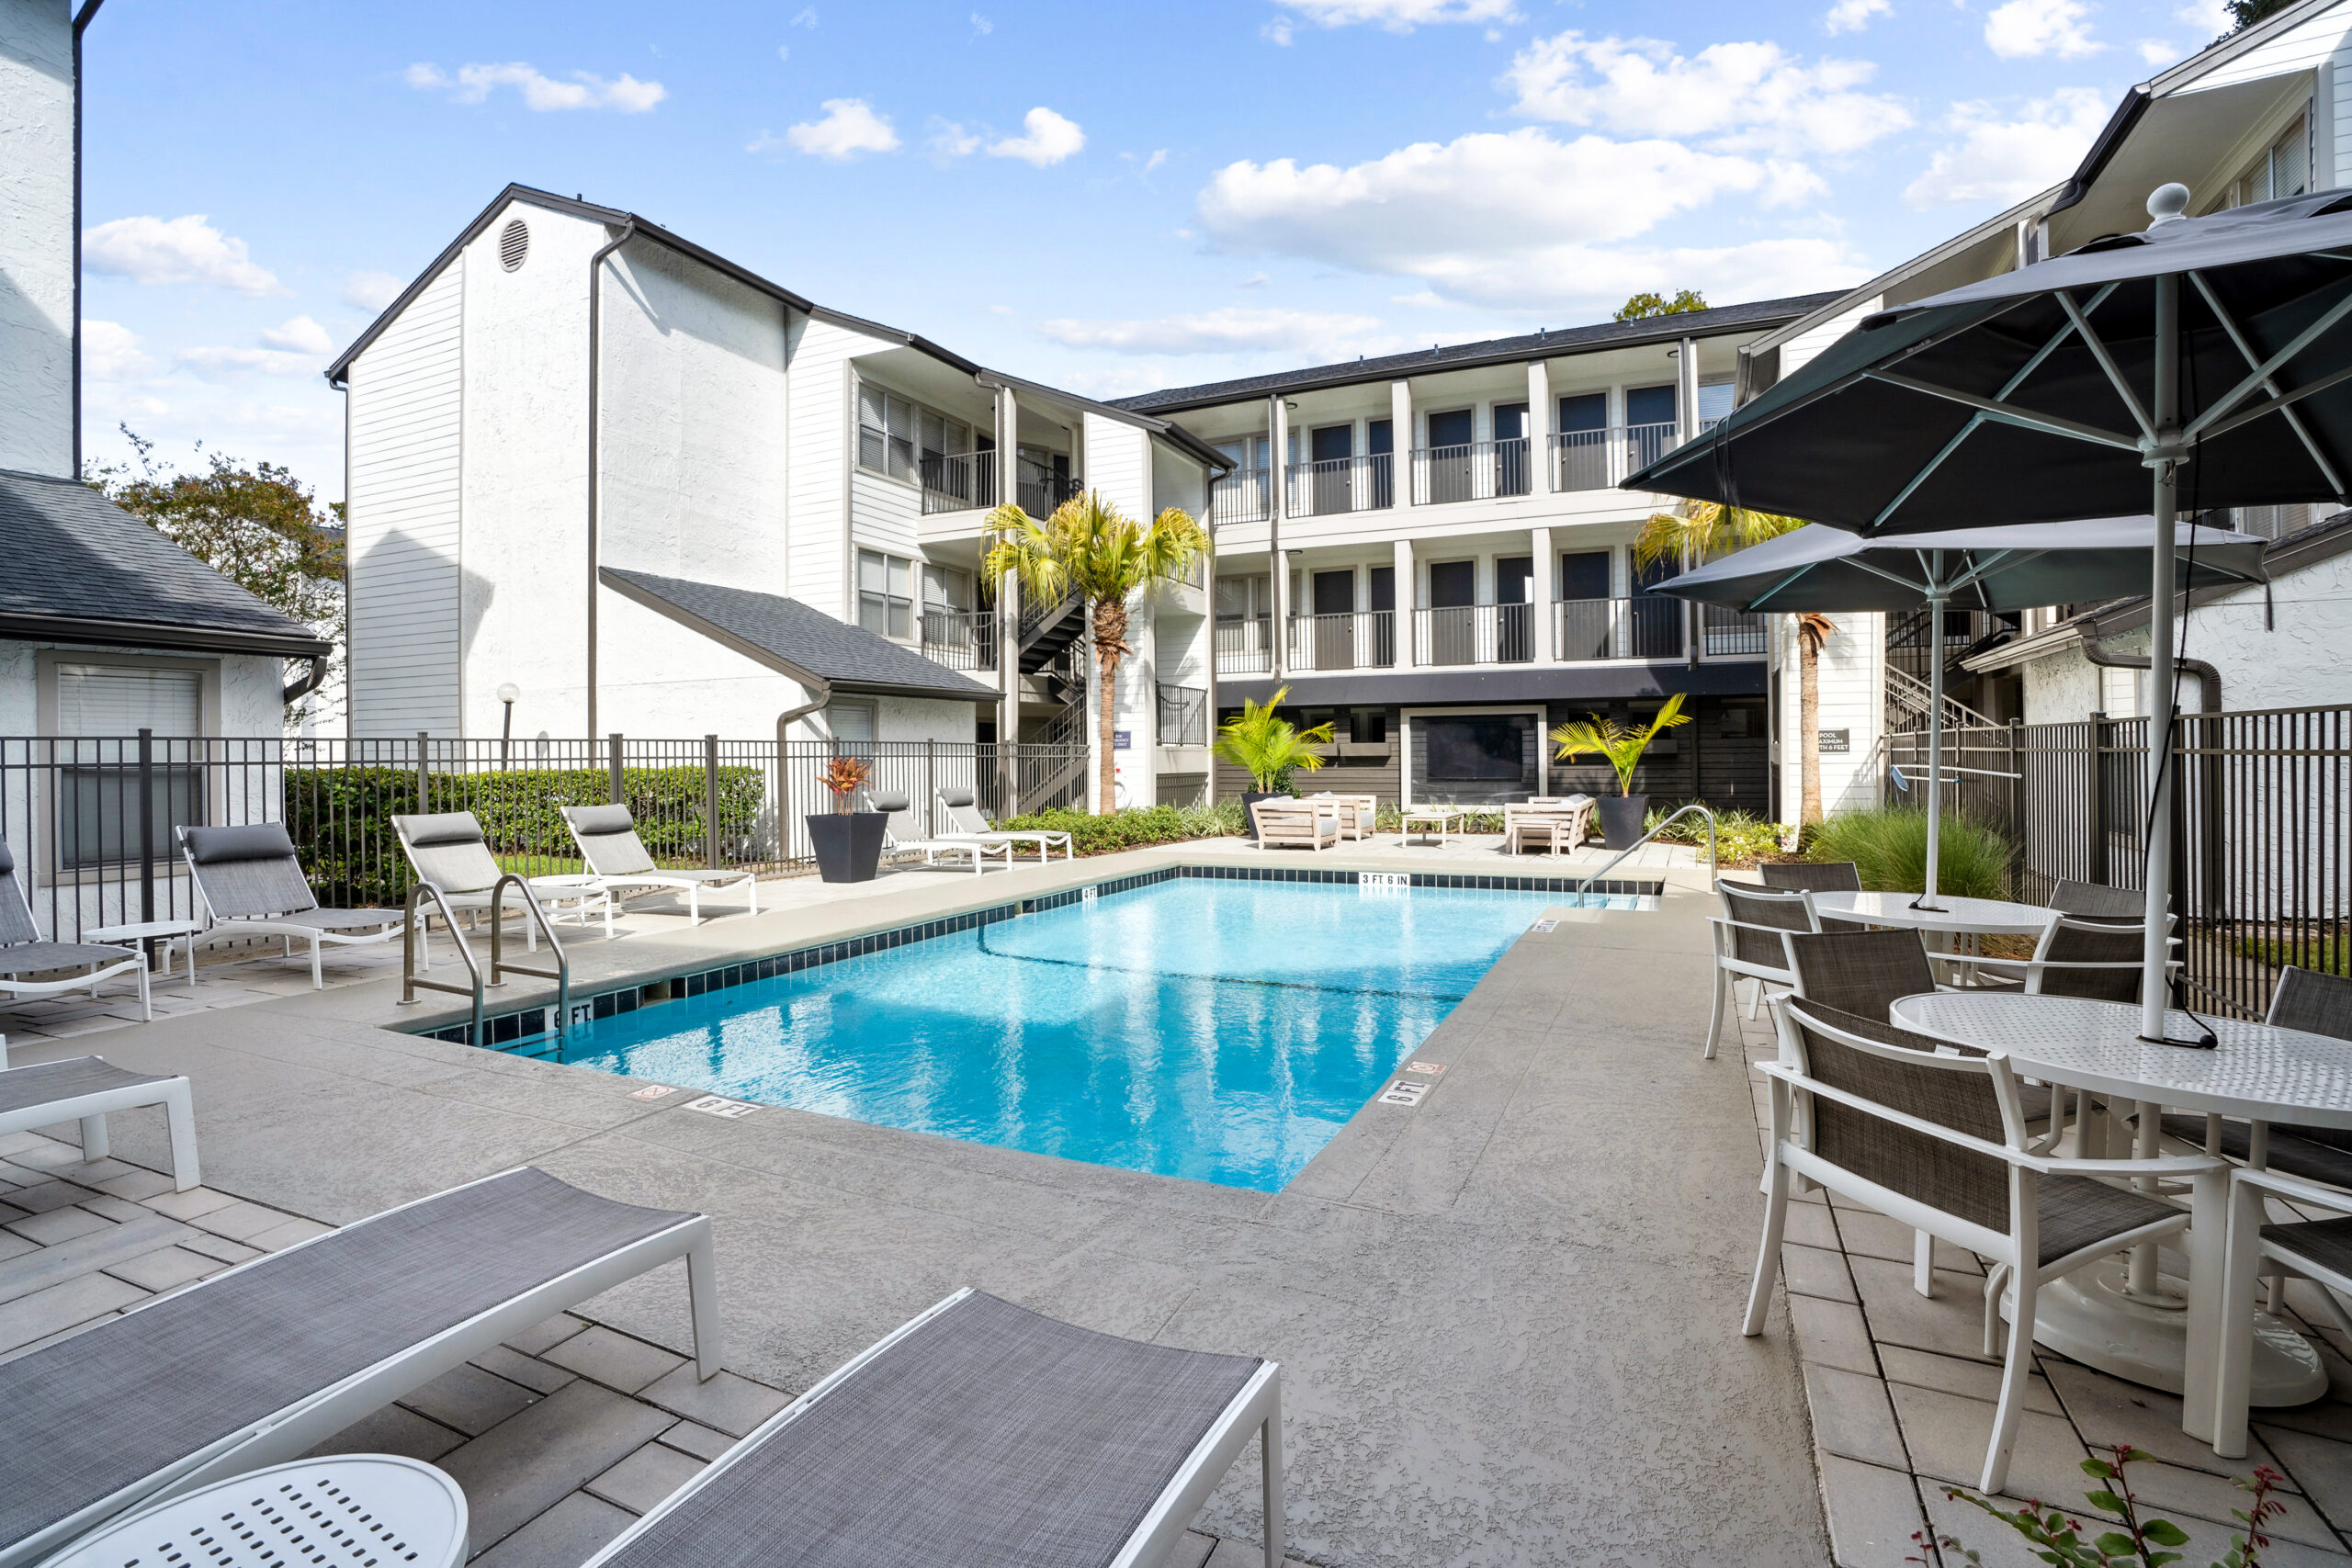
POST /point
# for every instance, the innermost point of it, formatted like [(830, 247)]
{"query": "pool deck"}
[(1507, 1315)]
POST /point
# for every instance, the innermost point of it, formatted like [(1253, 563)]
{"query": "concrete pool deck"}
[(1508, 1316)]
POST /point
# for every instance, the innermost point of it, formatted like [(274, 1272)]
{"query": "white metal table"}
[(167, 932), (1951, 916), (2256, 1071), (1445, 819), (344, 1511)]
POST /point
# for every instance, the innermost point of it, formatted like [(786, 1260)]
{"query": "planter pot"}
[(1250, 800), (1620, 819), (848, 844)]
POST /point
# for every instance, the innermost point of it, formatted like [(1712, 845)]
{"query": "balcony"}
[(961, 639), (1339, 484), (1644, 627), (1597, 460), (1039, 489), (1184, 717), (1363, 641), (1476, 470), (1244, 646), (1475, 634), (961, 482), (1246, 495), (1730, 634)]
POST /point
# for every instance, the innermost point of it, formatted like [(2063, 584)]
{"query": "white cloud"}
[(949, 138), (300, 335), (784, 52), (1734, 97), (2157, 52), (1398, 16), (1999, 161), (803, 17), (111, 353), (982, 26), (1518, 219), (371, 290), (584, 91), (1853, 15), (1046, 138), (268, 361), (848, 128), (175, 249), (2023, 28), (1215, 332), (1277, 32), (2211, 18)]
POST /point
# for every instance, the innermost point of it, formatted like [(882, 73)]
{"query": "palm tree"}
[(1268, 748), (1701, 530), (1090, 547)]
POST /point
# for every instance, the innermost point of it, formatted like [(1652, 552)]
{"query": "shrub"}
[(1134, 827), (1889, 848), (1742, 838)]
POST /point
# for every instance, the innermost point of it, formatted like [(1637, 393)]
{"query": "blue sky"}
[(1107, 198)]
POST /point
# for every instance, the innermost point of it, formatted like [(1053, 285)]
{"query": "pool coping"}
[(525, 1029)]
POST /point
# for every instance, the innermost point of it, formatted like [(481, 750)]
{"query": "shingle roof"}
[(1493, 351), (786, 635), (80, 567)]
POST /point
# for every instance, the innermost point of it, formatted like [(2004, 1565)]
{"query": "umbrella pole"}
[(2163, 459), (1927, 900)]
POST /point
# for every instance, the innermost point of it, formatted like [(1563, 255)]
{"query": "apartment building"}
[(1429, 552)]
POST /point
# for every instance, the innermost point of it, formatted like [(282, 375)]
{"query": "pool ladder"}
[(500, 966), (1584, 886)]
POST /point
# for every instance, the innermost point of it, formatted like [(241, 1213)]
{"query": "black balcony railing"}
[(961, 639), (1183, 716), (1475, 634), (1596, 460), (1039, 489), (1365, 639), (1646, 625), (1730, 633), (1244, 646), (1474, 470), (963, 482)]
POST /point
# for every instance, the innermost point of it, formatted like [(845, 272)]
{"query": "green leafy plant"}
[(1622, 745), (1134, 827), (1742, 838), (1651, 303), (2067, 1542), (2325, 949), (1267, 748), (1889, 848)]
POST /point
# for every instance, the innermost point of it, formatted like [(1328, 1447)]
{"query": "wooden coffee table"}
[(1446, 819)]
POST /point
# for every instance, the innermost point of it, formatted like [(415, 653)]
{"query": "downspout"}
[(824, 693), (311, 682), (2209, 679), (2208, 702), (596, 322), (88, 12)]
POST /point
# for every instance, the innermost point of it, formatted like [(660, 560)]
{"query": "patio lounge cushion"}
[(956, 797), (41, 957), (442, 828), (46, 1083), (989, 1435), (449, 849), (86, 1416), (599, 821), (219, 846)]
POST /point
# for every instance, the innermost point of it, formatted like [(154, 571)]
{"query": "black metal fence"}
[(2261, 828), (91, 822)]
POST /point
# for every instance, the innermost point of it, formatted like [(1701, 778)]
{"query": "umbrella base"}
[(2091, 1316)]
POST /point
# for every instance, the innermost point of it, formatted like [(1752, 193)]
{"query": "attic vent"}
[(514, 244)]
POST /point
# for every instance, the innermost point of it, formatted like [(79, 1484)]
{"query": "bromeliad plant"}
[(1269, 749), (846, 776), (1622, 745), (2060, 1540)]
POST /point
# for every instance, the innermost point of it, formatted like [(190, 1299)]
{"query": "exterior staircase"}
[(1909, 701), (1048, 630)]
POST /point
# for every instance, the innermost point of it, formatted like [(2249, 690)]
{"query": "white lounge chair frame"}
[(287, 927), (482, 877), (293, 1431), (90, 1110), (652, 878), (970, 824), (976, 851), (17, 914), (1256, 1411)]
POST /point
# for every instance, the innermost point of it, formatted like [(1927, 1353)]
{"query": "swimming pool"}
[(1217, 1030)]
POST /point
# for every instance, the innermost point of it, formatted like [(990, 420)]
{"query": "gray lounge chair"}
[(23, 951), (619, 861), (979, 1433), (263, 1362), (976, 851), (251, 883), (83, 1089), (964, 821), (449, 849)]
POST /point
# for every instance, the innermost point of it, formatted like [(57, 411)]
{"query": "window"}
[(1584, 410), (850, 721), (949, 587), (1649, 405), (104, 708), (1715, 402), (886, 594), (1477, 750), (899, 437), (2286, 168), (111, 700)]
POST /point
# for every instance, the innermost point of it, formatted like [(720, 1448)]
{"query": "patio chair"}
[(1312, 824), (23, 951), (1938, 1142), (1816, 876), (449, 849), (1559, 822), (2074, 958), (964, 821), (83, 1089), (2316, 1004), (251, 883), (2096, 901), (262, 1362), (1749, 946), (892, 802), (617, 859), (979, 1433), (2317, 1251), (1356, 813)]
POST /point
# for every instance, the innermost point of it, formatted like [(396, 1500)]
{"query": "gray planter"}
[(1620, 819)]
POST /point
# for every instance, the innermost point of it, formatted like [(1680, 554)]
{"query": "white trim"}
[(1406, 716)]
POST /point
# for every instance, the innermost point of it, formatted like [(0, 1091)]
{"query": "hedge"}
[(1134, 827), (341, 819)]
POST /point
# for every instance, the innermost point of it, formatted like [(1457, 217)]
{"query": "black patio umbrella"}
[(2207, 360), (2019, 567)]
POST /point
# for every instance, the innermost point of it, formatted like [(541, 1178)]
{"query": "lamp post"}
[(507, 693)]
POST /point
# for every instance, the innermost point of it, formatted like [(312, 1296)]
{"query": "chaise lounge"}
[(976, 851), (24, 952), (252, 882), (83, 1089), (449, 849), (965, 823), (619, 861)]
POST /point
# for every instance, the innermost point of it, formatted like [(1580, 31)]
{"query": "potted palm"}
[(1268, 750), (1622, 744), (848, 841)]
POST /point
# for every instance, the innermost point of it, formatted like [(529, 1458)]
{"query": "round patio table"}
[(2256, 1071), (1951, 916), (343, 1511)]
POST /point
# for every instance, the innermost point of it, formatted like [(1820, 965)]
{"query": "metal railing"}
[(1597, 460), (1039, 490), (1475, 634), (1183, 716), (412, 941), (1474, 470), (961, 639), (1726, 633), (1244, 646), (501, 965), (2261, 828), (1246, 495), (1339, 484), (1619, 859), (962, 482), (1365, 639)]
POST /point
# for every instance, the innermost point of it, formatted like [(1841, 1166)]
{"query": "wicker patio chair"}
[(1816, 876), (2096, 901), (1938, 1143), (2316, 1004), (1750, 945)]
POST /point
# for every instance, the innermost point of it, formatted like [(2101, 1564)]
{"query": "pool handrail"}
[(1585, 887), (415, 936), (501, 965)]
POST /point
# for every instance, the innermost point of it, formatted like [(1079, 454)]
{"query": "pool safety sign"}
[(654, 1091), (1545, 926), (719, 1105), (1403, 1091)]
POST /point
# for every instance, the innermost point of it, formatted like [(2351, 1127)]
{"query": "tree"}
[(1645, 305), (1267, 747), (1700, 530), (256, 525), (2243, 14), (1092, 549)]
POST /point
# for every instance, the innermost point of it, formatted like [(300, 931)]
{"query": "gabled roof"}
[(793, 639), (1493, 351), (80, 568)]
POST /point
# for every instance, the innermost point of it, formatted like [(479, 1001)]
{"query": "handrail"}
[(1711, 867), (560, 974), (415, 933)]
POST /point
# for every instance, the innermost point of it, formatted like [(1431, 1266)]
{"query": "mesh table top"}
[(1989, 916)]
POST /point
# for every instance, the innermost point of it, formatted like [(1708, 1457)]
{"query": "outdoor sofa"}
[(976, 851), (979, 1433), (23, 951), (449, 849), (1356, 813), (83, 1089), (965, 823), (1310, 824), (619, 861), (251, 882), (261, 1363)]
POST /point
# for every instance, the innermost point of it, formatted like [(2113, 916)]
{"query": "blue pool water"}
[(1222, 1031)]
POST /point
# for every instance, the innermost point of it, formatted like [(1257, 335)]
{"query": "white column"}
[(1547, 565), (1686, 391), (1401, 418), (1279, 570), (1539, 428), (1007, 604), (1408, 598)]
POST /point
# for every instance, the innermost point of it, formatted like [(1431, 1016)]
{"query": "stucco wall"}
[(35, 236), (248, 687), (675, 681)]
